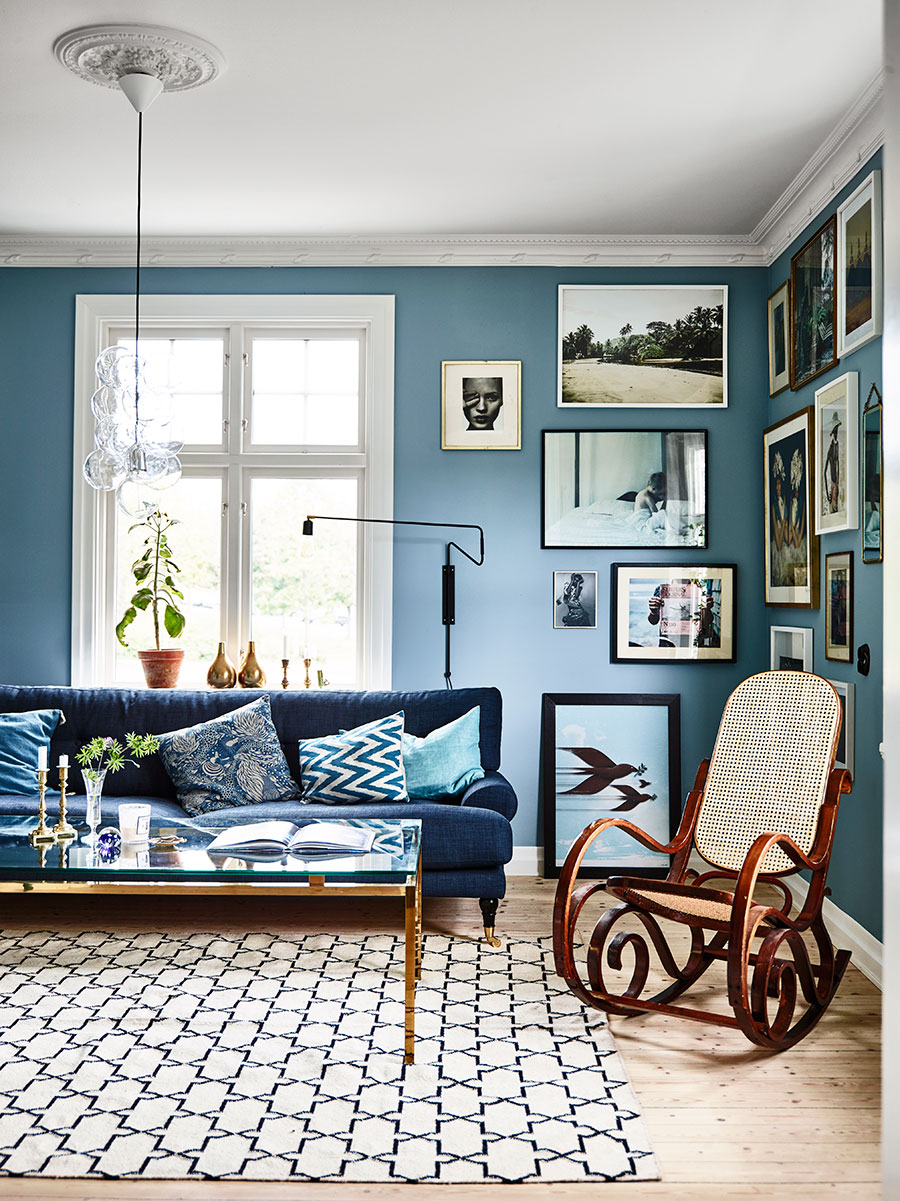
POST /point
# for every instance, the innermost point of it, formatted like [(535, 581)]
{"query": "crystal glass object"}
[(109, 844), (93, 787)]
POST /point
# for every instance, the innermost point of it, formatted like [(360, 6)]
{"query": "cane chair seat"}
[(679, 904)]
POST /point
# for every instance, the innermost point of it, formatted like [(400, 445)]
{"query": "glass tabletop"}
[(393, 858)]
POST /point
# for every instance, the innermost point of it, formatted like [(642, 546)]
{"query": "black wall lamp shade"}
[(448, 581)]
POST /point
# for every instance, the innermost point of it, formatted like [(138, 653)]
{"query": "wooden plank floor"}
[(727, 1121)]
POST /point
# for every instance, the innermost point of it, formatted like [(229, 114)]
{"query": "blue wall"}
[(504, 633), (855, 874)]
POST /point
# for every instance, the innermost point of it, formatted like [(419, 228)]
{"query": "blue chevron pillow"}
[(356, 766)]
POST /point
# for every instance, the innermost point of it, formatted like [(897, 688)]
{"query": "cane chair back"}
[(769, 768)]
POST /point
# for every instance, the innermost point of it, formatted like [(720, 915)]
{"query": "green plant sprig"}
[(108, 754), (154, 592)]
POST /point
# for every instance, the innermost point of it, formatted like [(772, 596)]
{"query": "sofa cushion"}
[(234, 759), (446, 761), (21, 736), (357, 766)]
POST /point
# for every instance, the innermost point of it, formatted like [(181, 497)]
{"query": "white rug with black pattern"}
[(256, 1057)]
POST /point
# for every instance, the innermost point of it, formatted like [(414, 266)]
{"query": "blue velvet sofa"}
[(465, 840)]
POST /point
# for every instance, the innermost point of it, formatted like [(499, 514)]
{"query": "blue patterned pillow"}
[(355, 766), (234, 759)]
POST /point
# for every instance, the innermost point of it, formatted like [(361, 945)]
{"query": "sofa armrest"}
[(492, 792)]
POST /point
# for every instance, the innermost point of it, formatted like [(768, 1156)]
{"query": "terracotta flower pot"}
[(161, 668)]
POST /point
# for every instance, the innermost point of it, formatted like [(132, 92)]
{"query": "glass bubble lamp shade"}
[(135, 454)]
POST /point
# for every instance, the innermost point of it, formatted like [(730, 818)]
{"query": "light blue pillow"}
[(446, 761), (21, 735), (234, 759), (357, 766)]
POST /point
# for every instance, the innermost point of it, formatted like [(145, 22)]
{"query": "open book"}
[(317, 839)]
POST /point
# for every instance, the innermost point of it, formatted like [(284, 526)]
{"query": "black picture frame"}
[(813, 306), (646, 729), (600, 489), (695, 619)]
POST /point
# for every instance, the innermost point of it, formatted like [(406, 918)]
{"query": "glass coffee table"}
[(392, 868)]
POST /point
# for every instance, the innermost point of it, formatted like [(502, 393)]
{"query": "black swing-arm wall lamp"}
[(448, 582)]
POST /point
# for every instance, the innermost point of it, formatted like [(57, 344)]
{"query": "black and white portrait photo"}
[(574, 600), (480, 405)]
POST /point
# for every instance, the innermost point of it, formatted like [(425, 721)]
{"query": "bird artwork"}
[(633, 798), (601, 771)]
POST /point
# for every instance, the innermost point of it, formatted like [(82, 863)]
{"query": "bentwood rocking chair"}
[(762, 808)]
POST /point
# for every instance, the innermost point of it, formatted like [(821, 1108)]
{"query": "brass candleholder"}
[(42, 835), (62, 830), (284, 678), (307, 683)]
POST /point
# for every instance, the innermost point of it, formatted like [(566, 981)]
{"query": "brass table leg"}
[(419, 921), (413, 920)]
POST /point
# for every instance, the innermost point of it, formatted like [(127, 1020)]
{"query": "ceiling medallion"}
[(102, 54)]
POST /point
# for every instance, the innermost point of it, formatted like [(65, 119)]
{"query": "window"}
[(285, 406)]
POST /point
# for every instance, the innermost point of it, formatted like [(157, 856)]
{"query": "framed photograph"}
[(839, 607), (846, 740), (780, 339), (790, 648), (671, 613), (859, 294), (624, 488), (872, 475), (791, 546), (813, 346), (574, 600), (481, 405), (643, 346), (837, 454), (610, 755)]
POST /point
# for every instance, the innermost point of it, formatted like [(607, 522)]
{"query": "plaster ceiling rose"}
[(102, 54)]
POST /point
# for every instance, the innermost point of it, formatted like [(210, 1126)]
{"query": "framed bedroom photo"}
[(791, 546), (643, 346), (610, 755), (813, 345), (624, 488), (481, 404), (672, 613), (780, 339), (859, 294), (574, 600), (837, 453), (790, 648), (872, 476), (839, 607), (847, 737)]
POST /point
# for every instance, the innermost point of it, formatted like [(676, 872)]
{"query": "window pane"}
[(304, 589), (196, 502), (305, 391), (192, 371)]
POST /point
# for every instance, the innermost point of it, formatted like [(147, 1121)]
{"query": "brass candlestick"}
[(62, 830), (284, 678), (307, 683), (42, 835)]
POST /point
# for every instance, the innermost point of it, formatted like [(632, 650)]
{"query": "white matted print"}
[(859, 261), (664, 613), (574, 600), (790, 648), (837, 454), (844, 756), (481, 404), (643, 346)]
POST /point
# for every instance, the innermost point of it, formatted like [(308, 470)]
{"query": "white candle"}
[(306, 654), (284, 648), (42, 758), (64, 761)]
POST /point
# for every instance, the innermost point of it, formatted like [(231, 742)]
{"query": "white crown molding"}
[(849, 145), (846, 149)]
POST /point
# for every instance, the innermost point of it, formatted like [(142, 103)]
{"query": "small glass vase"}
[(93, 788)]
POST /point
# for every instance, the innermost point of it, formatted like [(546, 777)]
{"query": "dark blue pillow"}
[(21, 735)]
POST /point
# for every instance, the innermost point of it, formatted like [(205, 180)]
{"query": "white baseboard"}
[(845, 931)]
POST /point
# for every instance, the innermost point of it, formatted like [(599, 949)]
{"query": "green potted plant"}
[(154, 573)]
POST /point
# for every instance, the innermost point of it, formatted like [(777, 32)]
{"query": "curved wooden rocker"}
[(762, 808)]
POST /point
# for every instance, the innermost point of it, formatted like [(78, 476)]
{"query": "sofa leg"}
[(489, 914)]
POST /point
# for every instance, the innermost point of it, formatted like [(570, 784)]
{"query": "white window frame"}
[(93, 552)]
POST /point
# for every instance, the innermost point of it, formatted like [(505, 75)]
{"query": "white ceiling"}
[(435, 117)]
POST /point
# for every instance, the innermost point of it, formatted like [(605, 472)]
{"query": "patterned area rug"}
[(254, 1057)]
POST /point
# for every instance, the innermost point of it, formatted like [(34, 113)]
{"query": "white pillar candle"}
[(42, 758), (284, 648), (64, 761)]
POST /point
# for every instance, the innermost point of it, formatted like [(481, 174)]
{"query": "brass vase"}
[(251, 675), (222, 674)]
